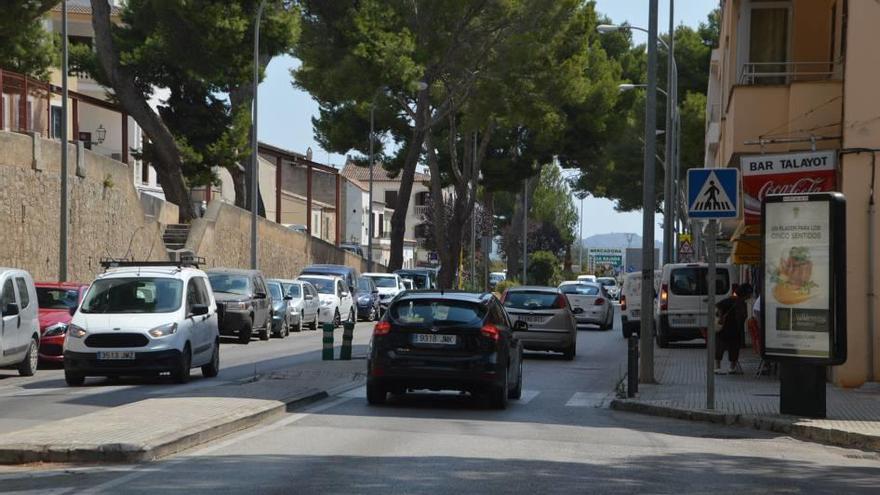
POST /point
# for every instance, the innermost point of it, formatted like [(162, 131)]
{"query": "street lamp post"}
[(254, 142), (372, 137), (62, 247)]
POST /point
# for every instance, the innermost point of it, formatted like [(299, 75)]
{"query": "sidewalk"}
[(752, 401), (154, 428)]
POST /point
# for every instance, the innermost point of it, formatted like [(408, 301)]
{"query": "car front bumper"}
[(230, 322), (52, 349), (87, 363)]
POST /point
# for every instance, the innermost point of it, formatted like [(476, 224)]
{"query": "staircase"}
[(175, 236)]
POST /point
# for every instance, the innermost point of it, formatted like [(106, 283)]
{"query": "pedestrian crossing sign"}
[(713, 193)]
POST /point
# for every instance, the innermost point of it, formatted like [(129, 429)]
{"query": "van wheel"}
[(212, 369), (376, 394), (661, 337), (181, 374), (74, 379), (28, 365)]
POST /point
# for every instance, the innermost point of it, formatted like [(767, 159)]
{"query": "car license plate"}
[(635, 313), (427, 338), (531, 319), (110, 355)]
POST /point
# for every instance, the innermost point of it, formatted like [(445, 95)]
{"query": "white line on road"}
[(527, 396), (587, 399)]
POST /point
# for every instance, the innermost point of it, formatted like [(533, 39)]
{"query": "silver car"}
[(551, 322), (592, 301), (303, 301), (610, 286)]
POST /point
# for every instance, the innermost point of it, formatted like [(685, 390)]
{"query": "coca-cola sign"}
[(788, 173)]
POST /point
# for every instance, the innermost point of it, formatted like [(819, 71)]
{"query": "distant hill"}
[(616, 240)]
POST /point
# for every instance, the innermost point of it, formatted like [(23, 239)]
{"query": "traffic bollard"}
[(347, 336), (328, 342), (632, 366)]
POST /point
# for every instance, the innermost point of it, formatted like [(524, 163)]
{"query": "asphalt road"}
[(26, 402), (557, 439)]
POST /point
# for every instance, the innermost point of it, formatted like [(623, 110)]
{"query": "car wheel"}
[(315, 322), (211, 369), (372, 315), (516, 393), (28, 365), (661, 337), (337, 319), (264, 333), (376, 394), (568, 354), (74, 379), (181, 374), (244, 334), (299, 325), (610, 323), (498, 395)]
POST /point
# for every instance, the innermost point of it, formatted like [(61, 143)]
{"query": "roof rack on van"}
[(186, 261)]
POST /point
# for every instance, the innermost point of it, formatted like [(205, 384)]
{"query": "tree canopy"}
[(25, 46)]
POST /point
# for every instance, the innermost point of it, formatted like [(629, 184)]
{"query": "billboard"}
[(602, 261)]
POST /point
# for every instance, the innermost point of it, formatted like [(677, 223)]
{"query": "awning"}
[(746, 244)]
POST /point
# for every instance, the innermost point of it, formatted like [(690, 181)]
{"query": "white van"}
[(631, 301), (680, 313), (587, 278), (20, 323)]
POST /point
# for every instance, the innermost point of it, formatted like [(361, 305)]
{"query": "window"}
[(384, 281), (8, 295), (768, 41), (580, 289), (425, 312), (203, 289), (134, 295), (230, 284), (531, 300), (193, 296), (390, 199), (275, 291), (339, 288), (323, 285), (23, 292), (365, 284), (498, 315), (691, 281), (80, 40), (56, 298), (292, 290)]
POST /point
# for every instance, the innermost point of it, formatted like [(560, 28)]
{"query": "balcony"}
[(772, 73), (420, 210)]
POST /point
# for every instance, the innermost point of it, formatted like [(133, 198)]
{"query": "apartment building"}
[(798, 78)]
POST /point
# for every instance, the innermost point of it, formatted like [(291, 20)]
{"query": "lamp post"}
[(62, 247), (254, 142), (372, 137)]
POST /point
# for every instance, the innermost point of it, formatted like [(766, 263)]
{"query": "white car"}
[(592, 300), (141, 319), (611, 287), (19, 323), (304, 299), (587, 278), (389, 285), (335, 298)]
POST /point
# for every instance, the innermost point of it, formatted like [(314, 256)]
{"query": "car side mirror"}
[(11, 309), (198, 310), (520, 326), (577, 311), (288, 297)]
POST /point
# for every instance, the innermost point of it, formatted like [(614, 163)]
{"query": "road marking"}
[(142, 470), (587, 399), (527, 396), (355, 393)]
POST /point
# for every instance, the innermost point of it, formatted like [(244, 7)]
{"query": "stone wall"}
[(222, 237), (106, 216)]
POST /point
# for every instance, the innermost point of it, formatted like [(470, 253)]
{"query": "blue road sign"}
[(713, 193)]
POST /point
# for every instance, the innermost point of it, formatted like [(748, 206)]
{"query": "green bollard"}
[(328, 342), (347, 336)]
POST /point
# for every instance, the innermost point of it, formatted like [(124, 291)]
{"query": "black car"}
[(367, 299), (445, 341), (242, 302)]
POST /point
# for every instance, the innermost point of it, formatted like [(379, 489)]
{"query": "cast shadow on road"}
[(691, 472)]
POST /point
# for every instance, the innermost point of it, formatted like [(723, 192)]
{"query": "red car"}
[(55, 301)]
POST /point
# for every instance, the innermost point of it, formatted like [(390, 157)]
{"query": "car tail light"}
[(664, 297), (599, 301), (561, 302), (382, 328), (622, 302), (490, 331)]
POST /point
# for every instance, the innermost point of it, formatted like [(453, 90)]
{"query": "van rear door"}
[(688, 294)]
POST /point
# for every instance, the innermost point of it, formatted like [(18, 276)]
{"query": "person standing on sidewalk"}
[(732, 314)]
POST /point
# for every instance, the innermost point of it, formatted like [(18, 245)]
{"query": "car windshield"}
[(364, 284), (229, 283), (385, 282), (292, 290), (420, 281), (496, 278), (691, 281), (324, 285), (527, 299), (52, 298), (275, 290), (580, 289), (425, 312), (134, 295), (608, 282)]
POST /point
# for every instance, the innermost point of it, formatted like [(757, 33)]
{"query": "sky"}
[(285, 113)]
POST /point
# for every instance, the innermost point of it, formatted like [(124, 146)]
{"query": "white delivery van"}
[(19, 321), (680, 311), (631, 301)]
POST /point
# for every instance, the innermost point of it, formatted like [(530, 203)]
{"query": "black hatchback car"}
[(445, 341)]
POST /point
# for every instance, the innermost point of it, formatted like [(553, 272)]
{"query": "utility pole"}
[(474, 220), (254, 141), (62, 247), (525, 275), (370, 234), (669, 177), (646, 341)]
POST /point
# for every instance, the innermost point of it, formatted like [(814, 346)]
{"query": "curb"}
[(160, 447), (787, 426)]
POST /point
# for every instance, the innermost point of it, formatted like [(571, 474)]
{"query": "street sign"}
[(685, 248), (713, 193)]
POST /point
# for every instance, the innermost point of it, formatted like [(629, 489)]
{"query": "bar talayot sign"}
[(789, 173)]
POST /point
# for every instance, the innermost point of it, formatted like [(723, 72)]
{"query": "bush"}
[(543, 268), (504, 285)]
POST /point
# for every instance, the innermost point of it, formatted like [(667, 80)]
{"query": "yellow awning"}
[(746, 244)]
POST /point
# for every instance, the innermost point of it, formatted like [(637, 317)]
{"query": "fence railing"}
[(786, 72)]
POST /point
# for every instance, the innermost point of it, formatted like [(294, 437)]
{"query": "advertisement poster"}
[(797, 283), (789, 173)]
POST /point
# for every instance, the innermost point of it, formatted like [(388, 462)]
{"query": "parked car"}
[(408, 284), (283, 317), (631, 301), (594, 303), (297, 227), (304, 300), (19, 321), (57, 301), (145, 318), (368, 300), (242, 303), (587, 278), (610, 286), (336, 300), (423, 278), (389, 285), (446, 340), (551, 322), (354, 249), (680, 313), (495, 278), (348, 275)]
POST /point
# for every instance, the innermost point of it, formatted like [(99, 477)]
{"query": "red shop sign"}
[(789, 173)]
